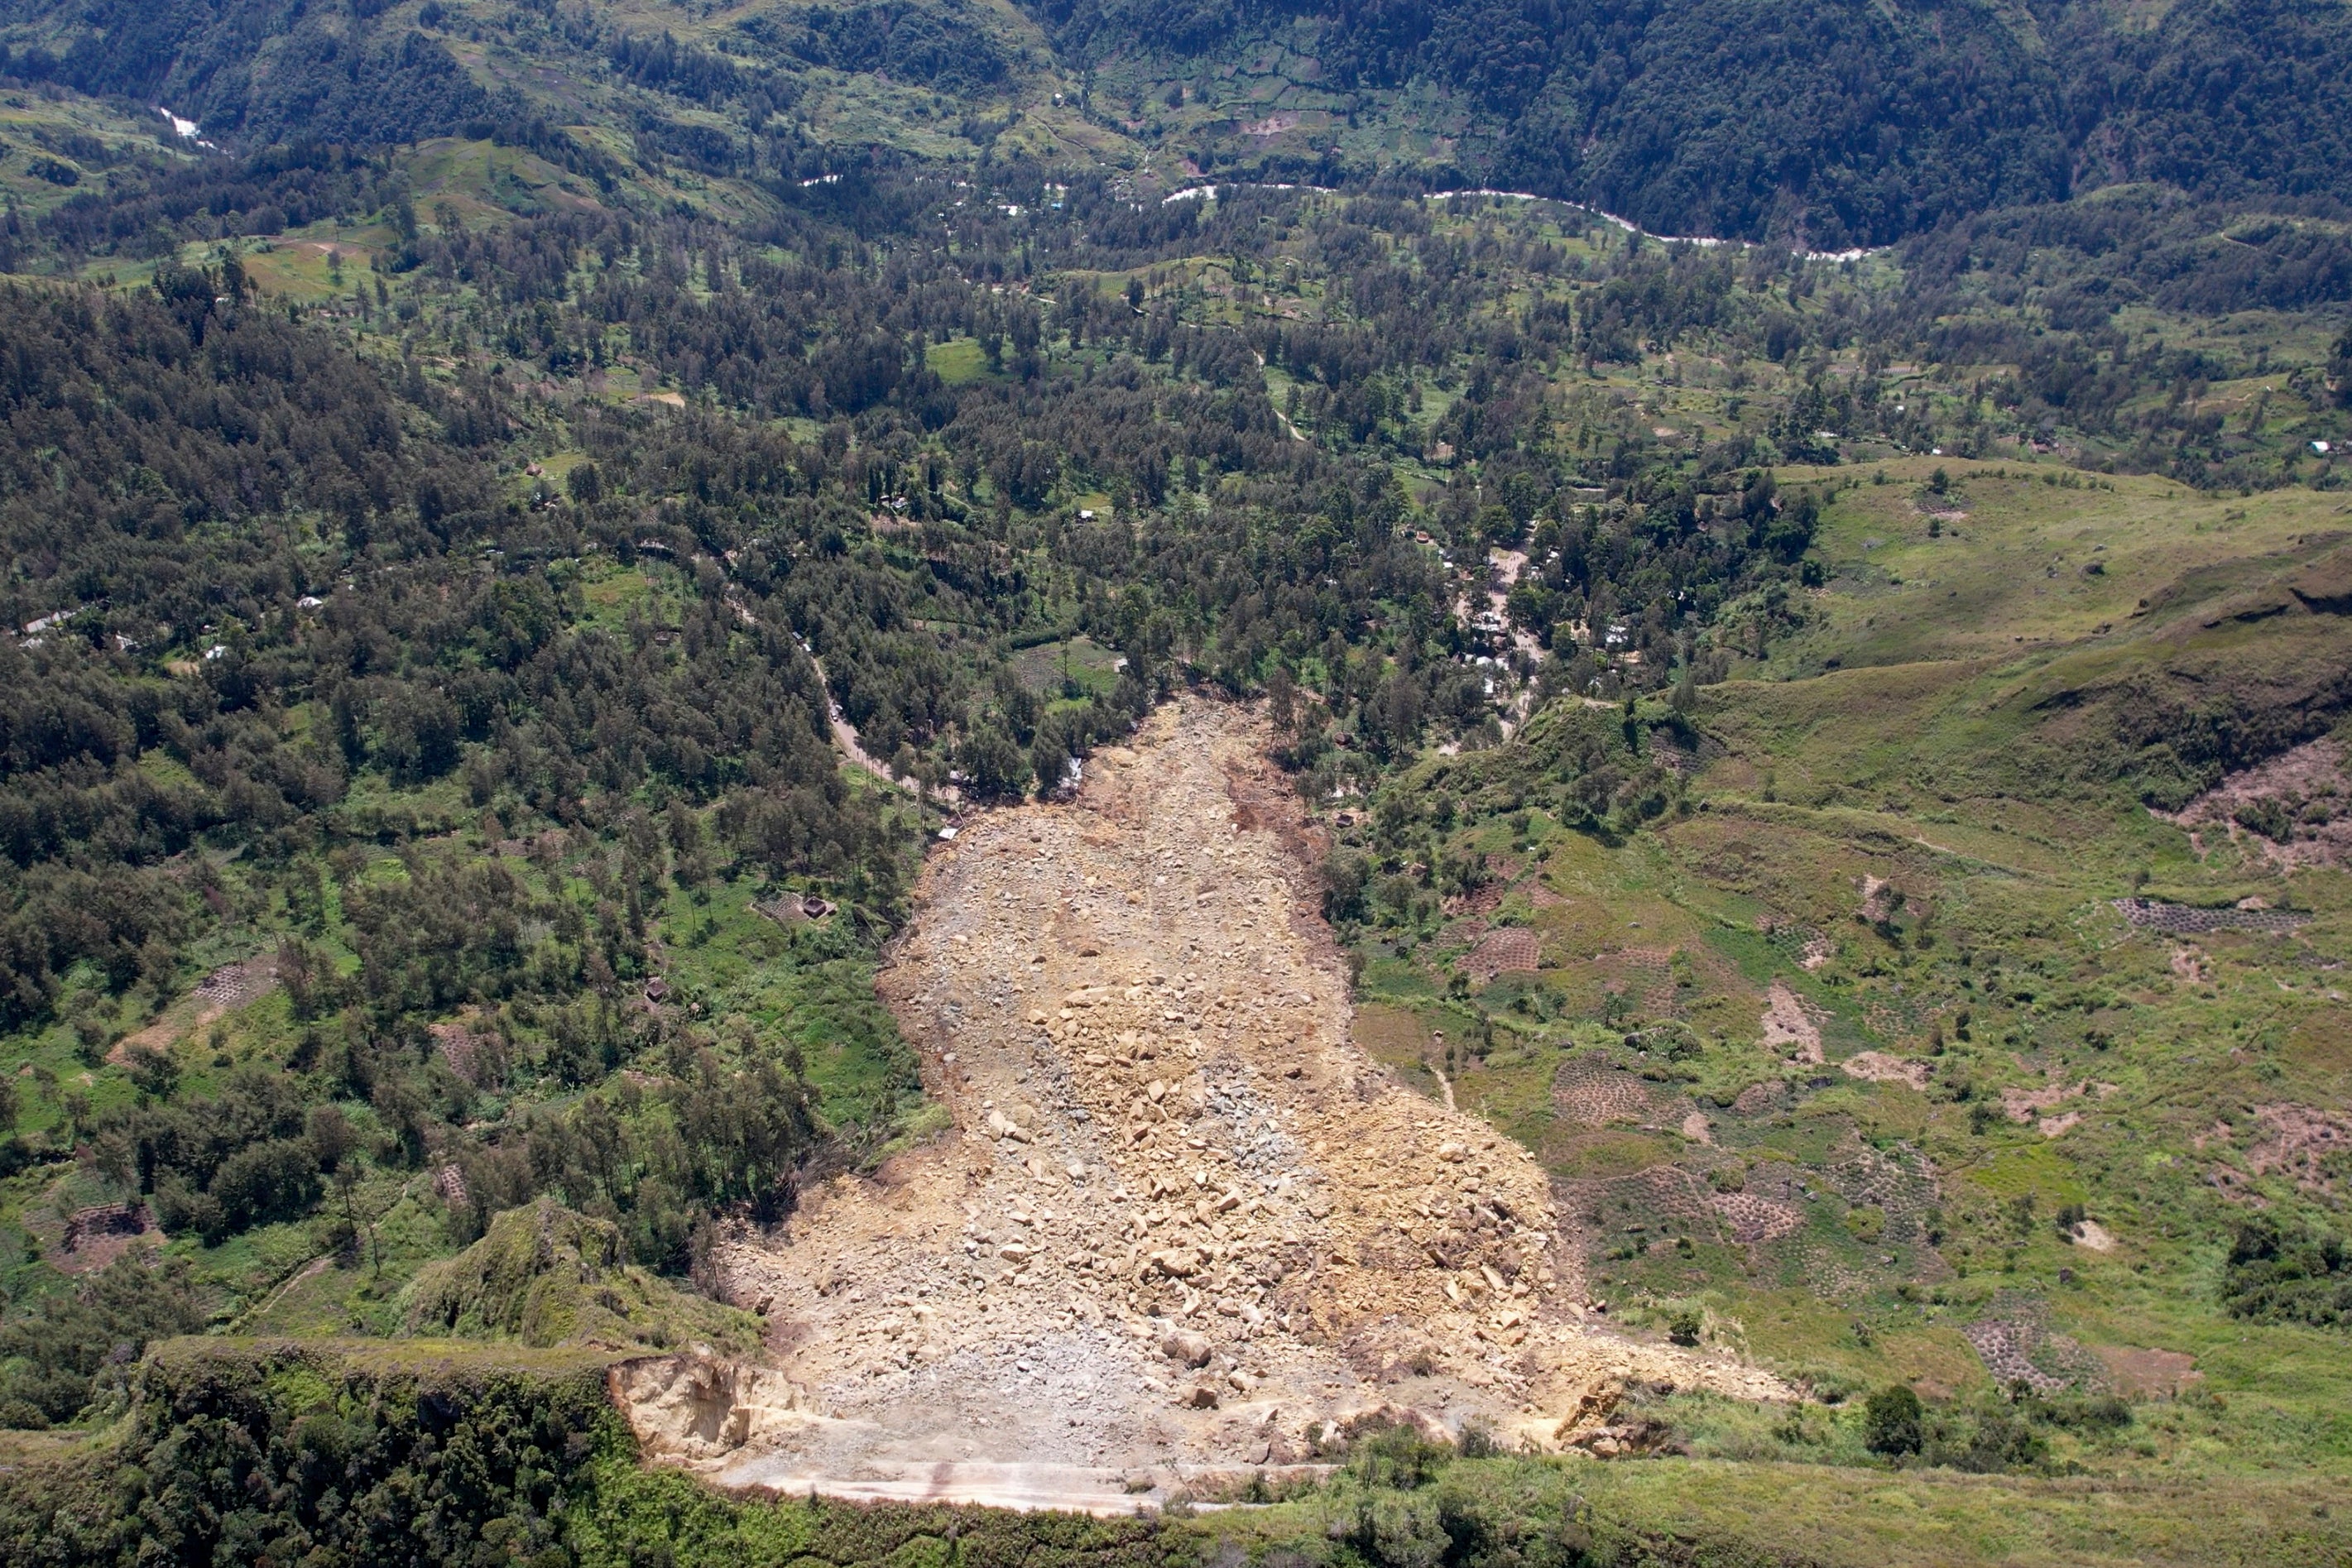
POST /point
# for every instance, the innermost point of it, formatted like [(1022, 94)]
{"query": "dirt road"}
[(1182, 1220)]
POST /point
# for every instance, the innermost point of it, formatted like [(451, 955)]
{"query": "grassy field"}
[(1838, 1048)]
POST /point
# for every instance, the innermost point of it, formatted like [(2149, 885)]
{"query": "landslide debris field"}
[(1181, 1223)]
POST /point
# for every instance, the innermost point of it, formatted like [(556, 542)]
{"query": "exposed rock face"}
[(696, 1408), (1182, 1215)]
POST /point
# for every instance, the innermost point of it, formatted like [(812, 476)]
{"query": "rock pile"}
[(1183, 1219)]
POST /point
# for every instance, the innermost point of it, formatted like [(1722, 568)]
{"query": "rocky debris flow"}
[(1182, 1220), (694, 1407)]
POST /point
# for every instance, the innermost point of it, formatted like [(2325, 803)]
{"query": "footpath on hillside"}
[(1182, 1225)]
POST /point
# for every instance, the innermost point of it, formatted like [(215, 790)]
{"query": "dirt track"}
[(1182, 1218)]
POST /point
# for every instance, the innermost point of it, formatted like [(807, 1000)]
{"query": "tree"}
[(153, 1072), (1891, 1420), (1282, 700), (1786, 531), (1049, 758), (995, 767)]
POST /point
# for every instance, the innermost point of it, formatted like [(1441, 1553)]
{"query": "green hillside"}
[(1841, 124), (1842, 756)]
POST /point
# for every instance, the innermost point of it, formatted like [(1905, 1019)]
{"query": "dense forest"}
[(1845, 123), (337, 66), (316, 659)]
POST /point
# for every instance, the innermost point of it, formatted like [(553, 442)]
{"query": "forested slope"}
[(1839, 124), (1844, 124)]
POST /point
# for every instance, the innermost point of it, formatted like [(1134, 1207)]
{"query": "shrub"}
[(2272, 819), (1891, 1421), (1992, 1438), (1683, 1324), (2272, 1277), (1395, 1455)]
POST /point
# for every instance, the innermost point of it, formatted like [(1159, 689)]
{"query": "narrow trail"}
[(845, 734), (844, 737), (1181, 1217)]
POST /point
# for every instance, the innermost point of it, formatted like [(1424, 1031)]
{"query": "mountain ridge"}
[(1832, 123)]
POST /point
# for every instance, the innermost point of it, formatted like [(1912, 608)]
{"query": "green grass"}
[(958, 361), (812, 986), (1943, 722), (2030, 563), (1050, 667)]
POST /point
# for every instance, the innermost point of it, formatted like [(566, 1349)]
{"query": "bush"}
[(1683, 1325), (1992, 1438), (1891, 1421), (1478, 1440), (2272, 1277), (1395, 1455), (2269, 817), (1344, 879)]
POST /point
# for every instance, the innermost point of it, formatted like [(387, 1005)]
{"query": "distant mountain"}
[(256, 71), (1836, 122), (1846, 121)]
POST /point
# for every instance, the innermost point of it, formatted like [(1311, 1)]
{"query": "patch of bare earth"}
[(1644, 974), (1588, 1092), (2306, 788), (2032, 1104), (1181, 1219), (2312, 1146), (1878, 1066), (1513, 949), (2155, 1374), (2091, 1236), (226, 989), (2018, 1346), (94, 1237), (1791, 1025), (1756, 1220)]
